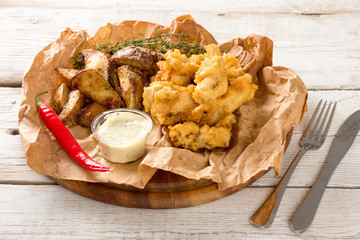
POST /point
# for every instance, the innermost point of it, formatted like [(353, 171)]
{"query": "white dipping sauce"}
[(122, 134)]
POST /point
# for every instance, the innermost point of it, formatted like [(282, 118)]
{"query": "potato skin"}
[(69, 115), (91, 83), (60, 97), (132, 86), (113, 78), (96, 60), (67, 73), (137, 57), (144, 78), (88, 113)]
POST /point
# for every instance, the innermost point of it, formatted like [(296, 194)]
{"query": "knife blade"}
[(343, 140)]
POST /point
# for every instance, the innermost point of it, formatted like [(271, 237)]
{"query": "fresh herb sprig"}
[(160, 43)]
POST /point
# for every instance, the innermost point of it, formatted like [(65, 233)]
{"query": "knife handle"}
[(265, 215), (305, 214)]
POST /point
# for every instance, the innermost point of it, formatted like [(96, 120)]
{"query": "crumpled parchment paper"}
[(259, 135)]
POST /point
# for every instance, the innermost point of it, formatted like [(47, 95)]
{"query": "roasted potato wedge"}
[(60, 97), (132, 87), (137, 57), (67, 73), (146, 81), (75, 102), (113, 78), (96, 60), (88, 113), (91, 83)]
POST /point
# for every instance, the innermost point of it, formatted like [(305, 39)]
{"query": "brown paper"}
[(258, 140)]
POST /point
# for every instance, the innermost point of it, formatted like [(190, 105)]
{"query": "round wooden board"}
[(164, 190)]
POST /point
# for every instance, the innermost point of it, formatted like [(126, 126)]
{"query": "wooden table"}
[(320, 40)]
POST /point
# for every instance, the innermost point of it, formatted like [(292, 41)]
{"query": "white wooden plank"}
[(9, 108), (13, 166), (51, 212), (320, 47), (317, 39), (273, 6)]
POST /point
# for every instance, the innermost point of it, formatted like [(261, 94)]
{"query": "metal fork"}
[(312, 139)]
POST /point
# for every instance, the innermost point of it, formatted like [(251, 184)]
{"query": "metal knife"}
[(343, 140)]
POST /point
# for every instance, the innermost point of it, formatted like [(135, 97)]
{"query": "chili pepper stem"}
[(38, 103)]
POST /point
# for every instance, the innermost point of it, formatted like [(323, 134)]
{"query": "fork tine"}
[(312, 131), (328, 124), (323, 122), (311, 122)]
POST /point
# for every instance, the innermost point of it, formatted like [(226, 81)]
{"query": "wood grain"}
[(309, 38), (199, 193), (306, 7), (52, 212), (318, 39)]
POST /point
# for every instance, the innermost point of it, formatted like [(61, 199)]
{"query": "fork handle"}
[(264, 216)]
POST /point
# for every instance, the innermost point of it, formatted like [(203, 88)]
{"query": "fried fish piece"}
[(192, 136), (166, 73), (197, 59), (177, 68), (132, 87), (72, 107), (180, 63), (232, 66), (211, 80), (60, 97), (168, 103), (96, 60), (241, 90), (88, 113), (212, 50), (91, 83)]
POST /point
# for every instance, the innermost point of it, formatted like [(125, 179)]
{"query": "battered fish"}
[(211, 80), (203, 113), (168, 103), (241, 90), (167, 74), (192, 136), (177, 68)]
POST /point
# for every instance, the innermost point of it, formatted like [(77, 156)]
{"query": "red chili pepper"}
[(64, 137)]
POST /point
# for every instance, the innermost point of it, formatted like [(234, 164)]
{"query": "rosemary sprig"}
[(159, 43)]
